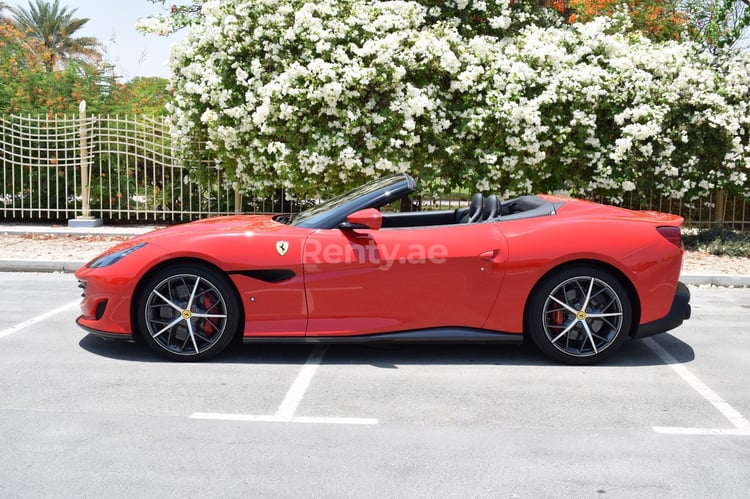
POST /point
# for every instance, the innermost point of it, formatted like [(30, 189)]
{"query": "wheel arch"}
[(627, 283), (170, 263)]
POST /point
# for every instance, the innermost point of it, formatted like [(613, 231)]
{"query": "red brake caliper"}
[(209, 324), (558, 317)]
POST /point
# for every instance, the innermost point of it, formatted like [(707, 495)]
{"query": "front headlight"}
[(111, 258)]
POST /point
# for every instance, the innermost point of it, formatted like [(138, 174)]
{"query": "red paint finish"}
[(360, 282), (345, 281)]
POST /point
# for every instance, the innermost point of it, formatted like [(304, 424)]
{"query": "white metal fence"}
[(133, 171), (135, 175)]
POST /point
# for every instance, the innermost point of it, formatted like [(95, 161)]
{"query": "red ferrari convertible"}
[(578, 278)]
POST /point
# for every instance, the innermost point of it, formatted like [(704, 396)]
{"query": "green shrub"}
[(719, 241)]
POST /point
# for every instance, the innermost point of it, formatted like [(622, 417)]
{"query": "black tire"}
[(188, 312), (579, 314)]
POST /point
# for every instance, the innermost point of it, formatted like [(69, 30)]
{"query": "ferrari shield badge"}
[(282, 247)]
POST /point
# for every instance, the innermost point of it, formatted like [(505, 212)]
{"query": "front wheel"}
[(188, 312), (579, 315)]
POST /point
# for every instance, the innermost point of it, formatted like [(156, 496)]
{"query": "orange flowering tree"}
[(15, 58), (142, 95), (659, 20), (30, 85), (716, 24)]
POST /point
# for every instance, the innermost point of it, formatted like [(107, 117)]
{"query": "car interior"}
[(480, 209)]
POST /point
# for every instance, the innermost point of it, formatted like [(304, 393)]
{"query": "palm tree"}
[(54, 28)]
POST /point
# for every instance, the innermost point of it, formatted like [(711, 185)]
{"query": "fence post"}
[(237, 202), (85, 220), (720, 207)]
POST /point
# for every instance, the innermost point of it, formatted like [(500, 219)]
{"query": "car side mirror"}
[(369, 218)]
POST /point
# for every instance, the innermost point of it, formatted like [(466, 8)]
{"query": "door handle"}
[(490, 255)]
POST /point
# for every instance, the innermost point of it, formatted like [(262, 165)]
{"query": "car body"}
[(578, 277)]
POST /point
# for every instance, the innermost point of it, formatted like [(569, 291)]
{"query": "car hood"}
[(237, 224)]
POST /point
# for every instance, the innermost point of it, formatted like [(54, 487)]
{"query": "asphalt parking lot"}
[(667, 417)]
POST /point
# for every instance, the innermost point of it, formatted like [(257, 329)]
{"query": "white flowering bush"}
[(586, 112), (488, 95)]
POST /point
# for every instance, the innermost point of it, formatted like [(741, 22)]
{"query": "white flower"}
[(157, 25), (500, 22)]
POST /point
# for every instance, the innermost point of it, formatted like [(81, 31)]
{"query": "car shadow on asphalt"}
[(390, 355)]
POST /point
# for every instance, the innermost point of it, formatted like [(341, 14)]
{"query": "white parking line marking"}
[(238, 417), (741, 425), (38, 318), (294, 396), (285, 413), (280, 419), (334, 420), (679, 430)]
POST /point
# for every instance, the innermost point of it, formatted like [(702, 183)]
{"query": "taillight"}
[(671, 234)]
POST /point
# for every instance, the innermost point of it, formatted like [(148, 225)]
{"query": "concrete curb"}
[(39, 266), (720, 280)]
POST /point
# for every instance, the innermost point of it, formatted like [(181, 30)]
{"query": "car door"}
[(395, 279)]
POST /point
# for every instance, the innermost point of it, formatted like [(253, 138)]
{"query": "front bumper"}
[(679, 312), (81, 321), (105, 304)]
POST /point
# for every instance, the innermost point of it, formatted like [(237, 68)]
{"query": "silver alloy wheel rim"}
[(186, 314), (582, 316)]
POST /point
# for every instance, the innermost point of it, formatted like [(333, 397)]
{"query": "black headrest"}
[(476, 209), (491, 207)]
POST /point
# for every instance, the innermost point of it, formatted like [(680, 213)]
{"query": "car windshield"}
[(342, 199)]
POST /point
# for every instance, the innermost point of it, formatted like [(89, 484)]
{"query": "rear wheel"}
[(579, 315), (188, 312)]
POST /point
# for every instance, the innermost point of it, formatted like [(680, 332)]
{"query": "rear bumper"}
[(679, 312)]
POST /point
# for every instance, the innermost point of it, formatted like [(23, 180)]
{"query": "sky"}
[(112, 22)]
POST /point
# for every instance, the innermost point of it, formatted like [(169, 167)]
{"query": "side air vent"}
[(268, 275)]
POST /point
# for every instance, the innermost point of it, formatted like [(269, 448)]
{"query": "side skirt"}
[(436, 335)]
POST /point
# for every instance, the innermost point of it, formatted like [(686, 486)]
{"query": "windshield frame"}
[(329, 214)]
